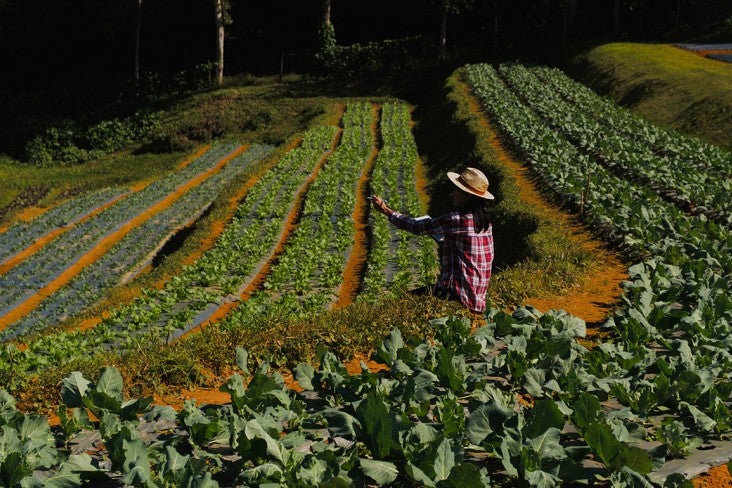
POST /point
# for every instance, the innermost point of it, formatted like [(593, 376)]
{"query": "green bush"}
[(67, 143)]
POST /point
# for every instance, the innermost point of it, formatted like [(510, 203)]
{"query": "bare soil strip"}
[(598, 292), (353, 272), (108, 241), (13, 261), (290, 225)]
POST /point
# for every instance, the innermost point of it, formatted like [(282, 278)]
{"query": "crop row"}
[(309, 271), (674, 329), (222, 271), (43, 267), (132, 251), (687, 150), (21, 234), (397, 260), (691, 186)]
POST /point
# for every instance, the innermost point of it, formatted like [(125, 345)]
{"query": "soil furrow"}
[(107, 242), (355, 267)]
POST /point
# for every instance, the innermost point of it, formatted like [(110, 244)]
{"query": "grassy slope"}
[(268, 112), (666, 85)]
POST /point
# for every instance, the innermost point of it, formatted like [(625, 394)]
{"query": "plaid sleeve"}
[(422, 226)]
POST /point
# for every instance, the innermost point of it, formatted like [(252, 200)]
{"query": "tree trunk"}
[(616, 18), (443, 29), (326, 12), (137, 41), (219, 11)]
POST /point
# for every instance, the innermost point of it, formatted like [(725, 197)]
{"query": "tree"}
[(222, 17), (137, 41), (446, 8), (616, 18)]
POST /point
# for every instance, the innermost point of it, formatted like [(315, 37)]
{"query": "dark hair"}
[(481, 215)]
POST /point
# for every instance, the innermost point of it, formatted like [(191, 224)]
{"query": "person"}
[(465, 236)]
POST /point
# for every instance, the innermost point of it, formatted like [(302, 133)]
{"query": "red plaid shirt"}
[(466, 256)]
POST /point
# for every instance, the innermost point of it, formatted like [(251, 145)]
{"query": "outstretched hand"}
[(380, 205)]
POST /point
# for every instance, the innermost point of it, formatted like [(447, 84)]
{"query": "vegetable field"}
[(519, 402)]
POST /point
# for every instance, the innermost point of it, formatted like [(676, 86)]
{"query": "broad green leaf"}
[(444, 460), (136, 467), (702, 421), (486, 419), (58, 480), (424, 385), (586, 411), (464, 475), (636, 459), (110, 383), (99, 402), (534, 380), (313, 471), (79, 463), (160, 412), (446, 371), (548, 446), (542, 479), (418, 475), (13, 469), (451, 413), (174, 461), (603, 443), (382, 472), (304, 374), (254, 430), (377, 425), (337, 482), (234, 386), (242, 356), (35, 432), (387, 351), (73, 389), (677, 480), (261, 473), (545, 415), (341, 424)]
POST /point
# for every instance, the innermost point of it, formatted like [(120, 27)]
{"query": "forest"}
[(70, 42)]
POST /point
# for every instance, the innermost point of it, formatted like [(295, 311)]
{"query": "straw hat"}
[(473, 181)]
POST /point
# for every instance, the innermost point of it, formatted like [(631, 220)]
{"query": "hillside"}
[(666, 85)]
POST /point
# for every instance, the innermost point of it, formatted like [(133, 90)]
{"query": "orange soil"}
[(359, 252), (107, 242), (42, 241), (593, 298), (193, 156), (290, 223), (717, 477), (212, 395), (31, 213)]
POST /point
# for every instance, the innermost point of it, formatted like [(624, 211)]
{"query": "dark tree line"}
[(52, 42)]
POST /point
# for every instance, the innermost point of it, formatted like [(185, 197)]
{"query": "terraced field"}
[(518, 402)]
